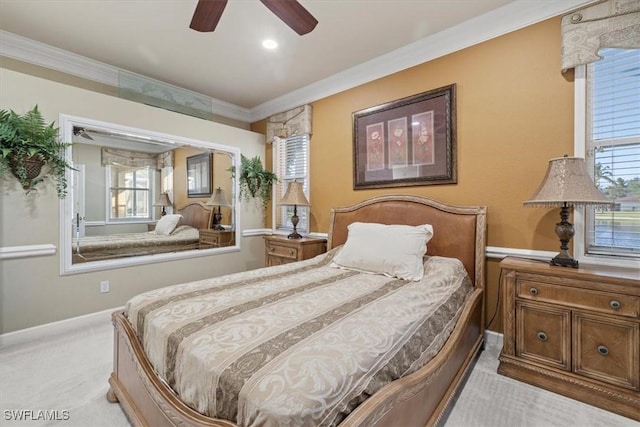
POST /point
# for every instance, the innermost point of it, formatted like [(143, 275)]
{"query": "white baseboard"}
[(41, 332)]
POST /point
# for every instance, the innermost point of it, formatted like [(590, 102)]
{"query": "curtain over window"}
[(296, 121), (115, 157), (607, 24)]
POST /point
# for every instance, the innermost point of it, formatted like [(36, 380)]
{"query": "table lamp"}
[(218, 199), (163, 200), (294, 196), (567, 183)]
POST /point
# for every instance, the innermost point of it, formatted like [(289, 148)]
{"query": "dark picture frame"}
[(199, 175), (407, 142)]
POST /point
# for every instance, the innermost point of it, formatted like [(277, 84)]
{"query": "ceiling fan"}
[(208, 13)]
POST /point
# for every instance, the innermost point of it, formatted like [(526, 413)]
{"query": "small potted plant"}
[(254, 180), (28, 146)]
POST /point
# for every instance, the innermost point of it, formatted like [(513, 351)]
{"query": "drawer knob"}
[(291, 252), (615, 304), (533, 291), (603, 350), (542, 336)]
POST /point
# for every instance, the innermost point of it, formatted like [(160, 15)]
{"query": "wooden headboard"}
[(195, 214), (458, 231)]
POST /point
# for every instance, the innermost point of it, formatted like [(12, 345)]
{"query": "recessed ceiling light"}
[(269, 44)]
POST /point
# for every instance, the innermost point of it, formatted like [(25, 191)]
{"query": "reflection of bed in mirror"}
[(185, 236)]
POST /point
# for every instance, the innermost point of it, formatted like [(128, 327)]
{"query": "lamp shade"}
[(294, 195), (567, 182), (218, 199), (163, 200)]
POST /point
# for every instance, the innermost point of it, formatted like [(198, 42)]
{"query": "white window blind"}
[(291, 162), (613, 152)]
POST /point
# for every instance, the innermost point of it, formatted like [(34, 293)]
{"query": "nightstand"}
[(215, 238), (280, 250), (573, 331)]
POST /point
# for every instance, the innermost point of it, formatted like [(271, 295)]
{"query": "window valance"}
[(115, 157), (296, 121), (611, 23)]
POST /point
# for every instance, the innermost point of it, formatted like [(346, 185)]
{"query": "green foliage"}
[(25, 136), (254, 180)]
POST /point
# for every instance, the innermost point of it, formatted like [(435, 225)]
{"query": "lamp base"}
[(294, 220), (294, 235), (565, 231), (564, 261)]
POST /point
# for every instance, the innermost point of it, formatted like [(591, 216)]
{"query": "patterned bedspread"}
[(183, 234), (300, 344)]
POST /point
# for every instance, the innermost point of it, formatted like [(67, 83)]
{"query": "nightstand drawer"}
[(605, 302), (210, 239), (607, 349), (543, 334), (282, 251)]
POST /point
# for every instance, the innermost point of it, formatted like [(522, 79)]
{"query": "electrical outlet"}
[(104, 286)]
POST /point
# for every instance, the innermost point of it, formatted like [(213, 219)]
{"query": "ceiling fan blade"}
[(293, 14), (207, 15)]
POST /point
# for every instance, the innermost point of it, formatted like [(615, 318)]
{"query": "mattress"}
[(300, 344), (183, 234)]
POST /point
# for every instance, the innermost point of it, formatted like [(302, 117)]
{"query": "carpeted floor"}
[(68, 373)]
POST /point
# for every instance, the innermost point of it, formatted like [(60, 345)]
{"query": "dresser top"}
[(585, 271)]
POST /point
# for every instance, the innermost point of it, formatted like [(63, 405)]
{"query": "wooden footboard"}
[(419, 399)]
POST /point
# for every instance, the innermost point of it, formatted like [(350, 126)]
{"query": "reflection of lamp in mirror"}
[(163, 200), (567, 182), (294, 196), (218, 199)]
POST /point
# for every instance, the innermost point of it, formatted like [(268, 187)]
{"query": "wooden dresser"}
[(280, 250), (573, 331)]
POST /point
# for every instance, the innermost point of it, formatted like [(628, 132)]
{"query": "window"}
[(291, 163), (612, 151), (129, 195)]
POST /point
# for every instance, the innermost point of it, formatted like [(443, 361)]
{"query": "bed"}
[(194, 216), (420, 396)]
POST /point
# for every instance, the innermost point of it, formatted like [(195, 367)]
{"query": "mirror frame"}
[(67, 124)]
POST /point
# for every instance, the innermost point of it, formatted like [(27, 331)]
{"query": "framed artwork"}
[(199, 175), (407, 142)]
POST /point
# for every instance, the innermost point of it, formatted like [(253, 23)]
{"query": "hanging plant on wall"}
[(32, 151), (254, 180)]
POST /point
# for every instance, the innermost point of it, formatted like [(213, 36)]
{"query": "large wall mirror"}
[(131, 197)]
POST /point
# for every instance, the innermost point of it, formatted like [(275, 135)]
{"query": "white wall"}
[(31, 290)]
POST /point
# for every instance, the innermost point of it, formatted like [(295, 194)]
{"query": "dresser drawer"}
[(605, 302), (543, 334), (274, 249), (607, 349)]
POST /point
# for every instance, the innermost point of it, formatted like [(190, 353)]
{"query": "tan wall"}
[(514, 113), (32, 292)]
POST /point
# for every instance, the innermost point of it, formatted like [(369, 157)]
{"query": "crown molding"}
[(33, 52), (510, 17), (43, 55)]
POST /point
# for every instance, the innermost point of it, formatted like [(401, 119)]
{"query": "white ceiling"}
[(354, 42)]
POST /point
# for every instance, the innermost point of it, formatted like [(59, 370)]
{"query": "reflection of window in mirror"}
[(114, 202), (129, 193)]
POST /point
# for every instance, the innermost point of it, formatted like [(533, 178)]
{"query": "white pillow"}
[(167, 224), (392, 250)]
